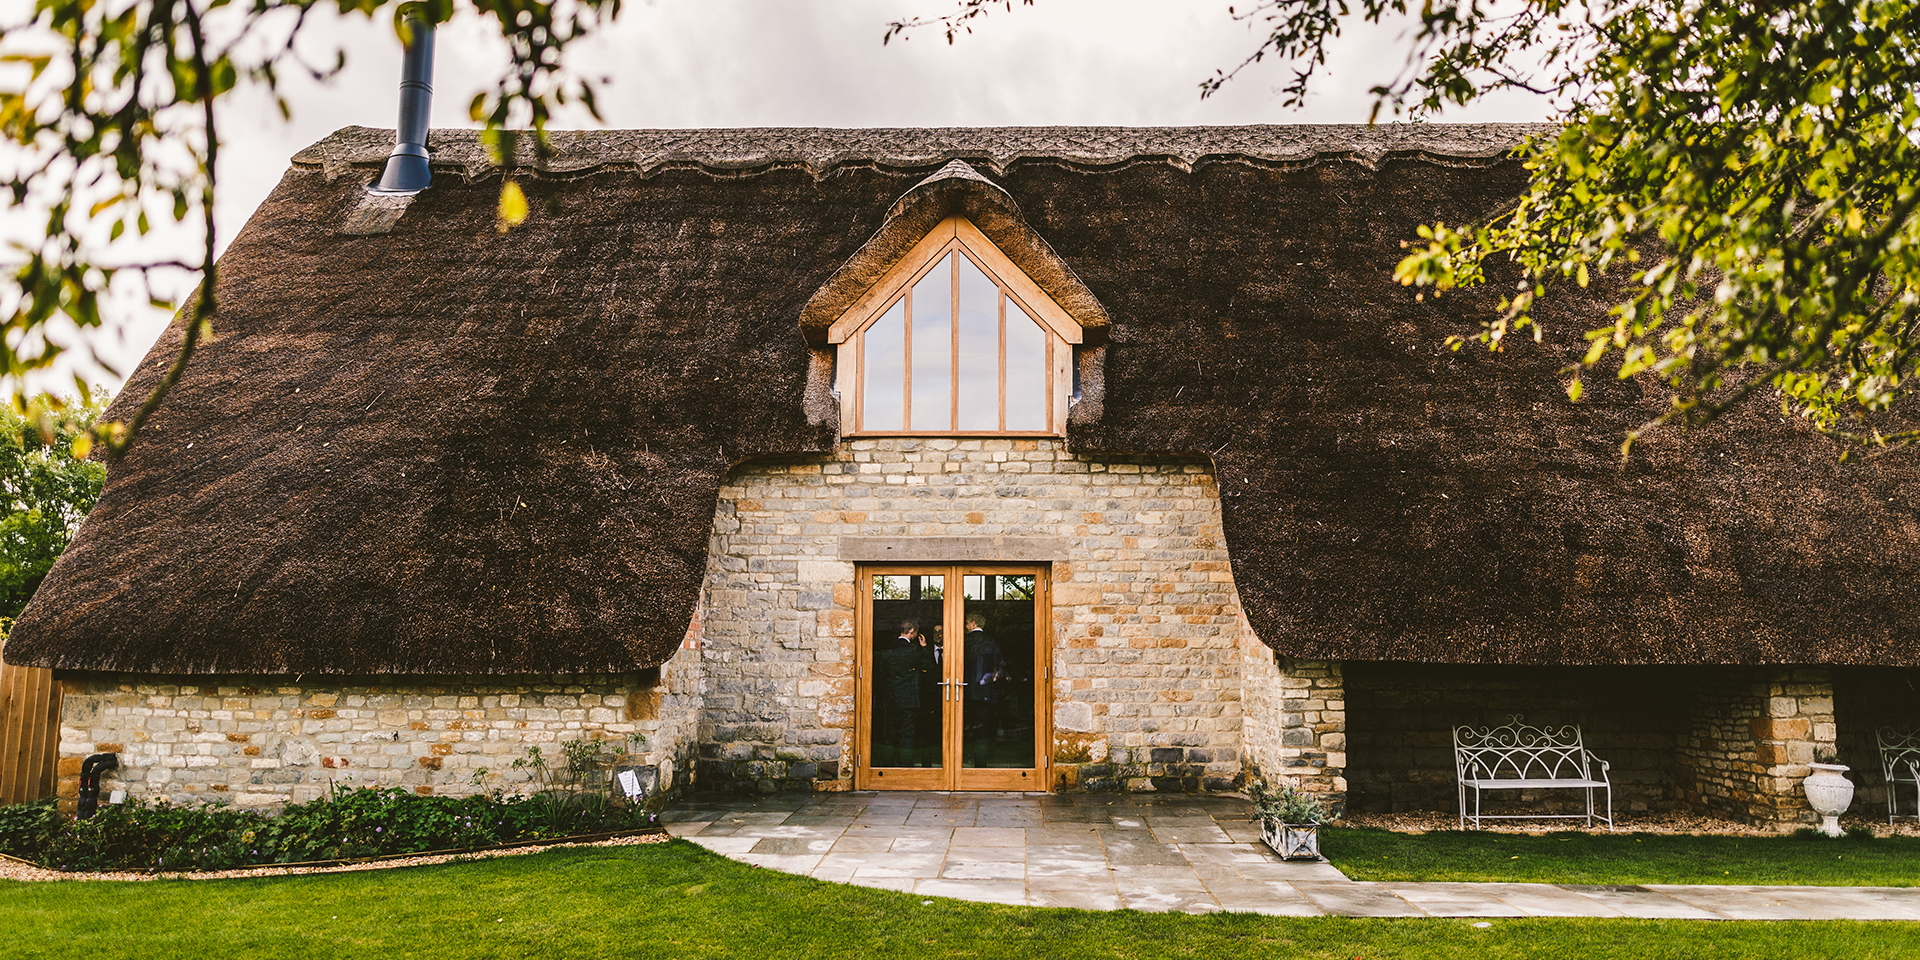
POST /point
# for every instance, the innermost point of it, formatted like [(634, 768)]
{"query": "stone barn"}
[(1039, 459)]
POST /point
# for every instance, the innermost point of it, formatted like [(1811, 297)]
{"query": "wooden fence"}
[(29, 732)]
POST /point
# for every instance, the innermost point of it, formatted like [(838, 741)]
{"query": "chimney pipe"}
[(406, 171)]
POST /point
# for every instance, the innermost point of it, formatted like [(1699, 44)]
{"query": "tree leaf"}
[(513, 205)]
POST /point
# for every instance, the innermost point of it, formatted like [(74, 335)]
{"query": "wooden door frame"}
[(953, 776)]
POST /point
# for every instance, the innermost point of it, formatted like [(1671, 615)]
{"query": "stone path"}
[(1188, 853)]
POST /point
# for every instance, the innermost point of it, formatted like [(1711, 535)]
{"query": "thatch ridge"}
[(821, 150)]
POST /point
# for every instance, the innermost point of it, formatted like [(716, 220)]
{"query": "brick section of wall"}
[(1401, 718), (1753, 733), (1296, 723), (261, 741), (1147, 628)]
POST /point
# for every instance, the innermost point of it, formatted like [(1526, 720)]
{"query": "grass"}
[(679, 901), (1801, 859)]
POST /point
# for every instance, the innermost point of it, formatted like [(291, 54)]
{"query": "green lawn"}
[(1623, 858), (679, 901)]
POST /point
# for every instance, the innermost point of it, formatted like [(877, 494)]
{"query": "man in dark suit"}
[(897, 676), (986, 674)]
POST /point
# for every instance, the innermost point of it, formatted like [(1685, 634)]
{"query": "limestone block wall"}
[(1147, 629), (1296, 723), (263, 741), (1753, 733)]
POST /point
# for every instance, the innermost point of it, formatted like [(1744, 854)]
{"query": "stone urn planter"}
[(1829, 794), (1293, 841)]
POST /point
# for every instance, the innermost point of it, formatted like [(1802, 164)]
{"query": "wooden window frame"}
[(958, 236)]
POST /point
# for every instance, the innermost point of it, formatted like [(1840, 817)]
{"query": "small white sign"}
[(630, 782)]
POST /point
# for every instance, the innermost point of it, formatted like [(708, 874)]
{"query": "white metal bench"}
[(1900, 764), (1519, 756)]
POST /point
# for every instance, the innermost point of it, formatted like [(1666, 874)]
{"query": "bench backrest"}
[(1519, 751), (1898, 749)]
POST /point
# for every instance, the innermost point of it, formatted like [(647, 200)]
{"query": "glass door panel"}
[(997, 726), (908, 621)]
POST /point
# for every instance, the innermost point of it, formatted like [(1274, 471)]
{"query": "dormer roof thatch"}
[(419, 445)]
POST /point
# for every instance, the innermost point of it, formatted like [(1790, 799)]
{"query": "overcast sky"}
[(727, 63)]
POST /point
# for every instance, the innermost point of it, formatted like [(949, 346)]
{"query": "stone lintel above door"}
[(953, 549)]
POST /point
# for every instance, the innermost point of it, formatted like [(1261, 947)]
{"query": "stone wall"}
[(263, 741), (1147, 629), (1296, 723), (1752, 734), (1400, 720)]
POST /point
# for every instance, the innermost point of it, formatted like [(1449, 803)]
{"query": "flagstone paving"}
[(1195, 854)]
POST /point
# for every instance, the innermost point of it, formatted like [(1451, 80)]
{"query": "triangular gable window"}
[(955, 340)]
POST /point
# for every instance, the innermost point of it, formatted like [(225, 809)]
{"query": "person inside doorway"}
[(931, 650), (985, 676), (898, 674)]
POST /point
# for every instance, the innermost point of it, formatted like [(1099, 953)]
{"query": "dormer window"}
[(955, 340)]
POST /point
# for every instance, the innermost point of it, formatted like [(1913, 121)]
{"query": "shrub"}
[(25, 828), (1287, 805), (345, 824), (160, 835)]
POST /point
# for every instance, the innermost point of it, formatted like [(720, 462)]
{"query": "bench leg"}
[(1463, 806)]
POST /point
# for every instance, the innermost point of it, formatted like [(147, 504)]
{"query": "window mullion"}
[(953, 357), (906, 364), (1047, 339), (1003, 358)]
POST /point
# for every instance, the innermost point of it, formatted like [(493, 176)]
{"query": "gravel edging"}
[(12, 869), (1678, 824)]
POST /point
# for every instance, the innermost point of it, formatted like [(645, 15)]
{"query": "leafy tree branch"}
[(1744, 175), (111, 116)]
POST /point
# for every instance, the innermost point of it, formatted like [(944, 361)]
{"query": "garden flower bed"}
[(345, 825)]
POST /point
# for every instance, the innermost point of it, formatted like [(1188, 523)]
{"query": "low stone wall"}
[(263, 741)]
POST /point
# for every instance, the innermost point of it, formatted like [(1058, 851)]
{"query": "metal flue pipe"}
[(90, 771), (406, 170)]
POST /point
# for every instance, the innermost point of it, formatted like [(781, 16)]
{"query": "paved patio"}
[(1188, 853)]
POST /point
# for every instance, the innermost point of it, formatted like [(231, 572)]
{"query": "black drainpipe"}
[(90, 770), (406, 171)]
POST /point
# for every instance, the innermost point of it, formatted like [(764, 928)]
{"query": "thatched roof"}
[(441, 449)]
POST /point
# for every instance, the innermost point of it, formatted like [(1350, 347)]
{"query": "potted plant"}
[(1289, 820)]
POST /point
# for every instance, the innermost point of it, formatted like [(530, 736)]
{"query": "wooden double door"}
[(952, 681)]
